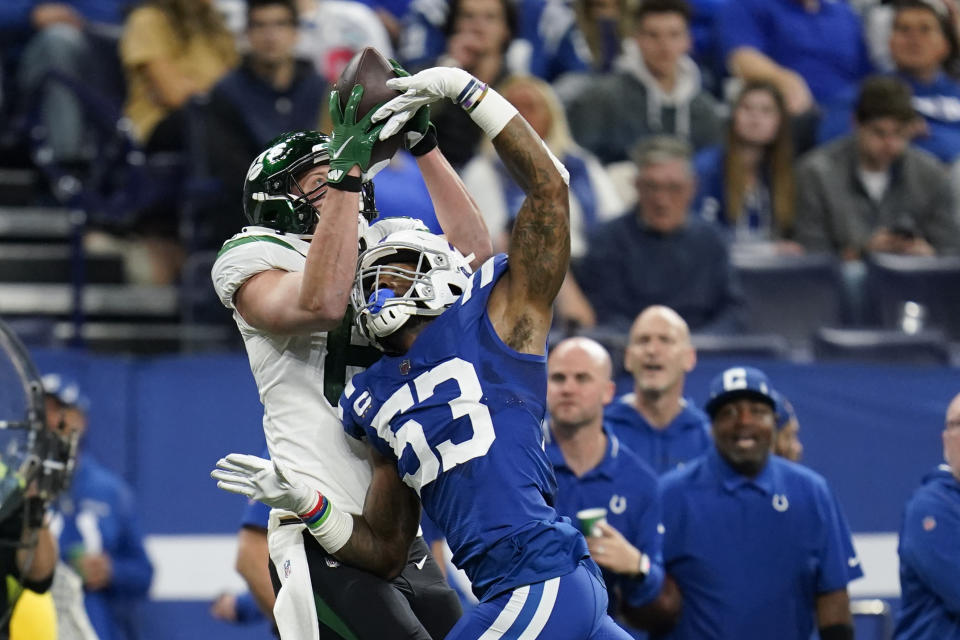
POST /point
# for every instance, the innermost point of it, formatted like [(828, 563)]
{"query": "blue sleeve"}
[(132, 570), (838, 564), (740, 25), (649, 540), (247, 610), (256, 514), (349, 418), (570, 55), (930, 545)]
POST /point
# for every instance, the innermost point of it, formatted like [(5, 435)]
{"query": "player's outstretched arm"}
[(316, 299), (456, 210), (293, 302), (377, 541), (381, 537), (521, 305)]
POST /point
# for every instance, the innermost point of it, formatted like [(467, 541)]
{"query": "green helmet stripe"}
[(230, 244)]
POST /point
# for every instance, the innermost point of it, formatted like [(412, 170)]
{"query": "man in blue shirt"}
[(754, 542), (594, 470), (99, 531), (655, 421), (811, 50), (930, 547)]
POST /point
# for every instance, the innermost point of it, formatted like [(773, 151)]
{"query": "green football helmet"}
[(270, 192)]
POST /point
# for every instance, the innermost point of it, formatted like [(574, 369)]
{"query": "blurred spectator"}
[(593, 197), (656, 421), (655, 89), (786, 441), (98, 528), (595, 471), (871, 192), (75, 40), (270, 93), (171, 50), (930, 547), (604, 25), (479, 33), (754, 542), (925, 54), (332, 31), (659, 254), (812, 50), (747, 185), (547, 41)]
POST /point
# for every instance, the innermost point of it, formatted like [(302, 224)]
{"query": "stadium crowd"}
[(696, 134)]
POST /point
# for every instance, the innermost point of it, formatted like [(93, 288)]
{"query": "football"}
[(371, 70)]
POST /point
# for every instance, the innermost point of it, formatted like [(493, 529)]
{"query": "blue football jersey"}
[(460, 413)]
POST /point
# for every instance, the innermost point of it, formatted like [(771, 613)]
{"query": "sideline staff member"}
[(755, 542)]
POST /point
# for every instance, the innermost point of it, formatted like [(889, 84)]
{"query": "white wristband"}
[(486, 107), (328, 524)]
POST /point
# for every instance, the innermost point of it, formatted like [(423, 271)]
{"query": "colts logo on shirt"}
[(929, 523), (780, 502), (618, 504)]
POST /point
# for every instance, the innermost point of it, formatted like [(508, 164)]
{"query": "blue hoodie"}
[(99, 511), (930, 560)]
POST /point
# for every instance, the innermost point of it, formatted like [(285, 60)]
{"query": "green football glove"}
[(351, 142), (419, 134)]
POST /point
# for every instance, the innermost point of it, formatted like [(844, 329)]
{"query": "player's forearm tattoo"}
[(540, 243)]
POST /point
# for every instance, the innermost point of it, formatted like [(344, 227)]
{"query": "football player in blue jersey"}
[(452, 413)]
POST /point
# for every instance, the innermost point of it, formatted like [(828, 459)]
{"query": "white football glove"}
[(259, 479), (420, 89)]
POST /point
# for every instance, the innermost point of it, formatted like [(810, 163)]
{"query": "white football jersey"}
[(299, 377)]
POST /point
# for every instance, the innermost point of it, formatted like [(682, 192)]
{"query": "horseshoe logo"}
[(780, 502), (618, 504)]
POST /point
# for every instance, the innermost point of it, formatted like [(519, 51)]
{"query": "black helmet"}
[(269, 192)]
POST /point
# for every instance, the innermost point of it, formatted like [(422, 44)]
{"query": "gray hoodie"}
[(611, 113)]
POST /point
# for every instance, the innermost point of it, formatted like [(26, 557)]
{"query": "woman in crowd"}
[(747, 184)]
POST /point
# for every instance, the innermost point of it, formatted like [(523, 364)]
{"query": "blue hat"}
[(737, 382), (783, 410), (66, 390)]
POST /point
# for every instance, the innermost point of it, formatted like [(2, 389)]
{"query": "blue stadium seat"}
[(932, 282), (881, 346), (790, 295)]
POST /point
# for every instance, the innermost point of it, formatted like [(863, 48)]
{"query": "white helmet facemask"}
[(408, 273)]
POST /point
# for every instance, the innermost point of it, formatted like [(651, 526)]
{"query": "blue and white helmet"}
[(440, 275)]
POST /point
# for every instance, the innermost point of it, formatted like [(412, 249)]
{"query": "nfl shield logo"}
[(929, 523), (405, 367), (286, 569)]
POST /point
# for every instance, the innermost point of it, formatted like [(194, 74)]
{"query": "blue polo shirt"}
[(750, 555), (794, 38), (930, 560), (627, 488), (685, 438)]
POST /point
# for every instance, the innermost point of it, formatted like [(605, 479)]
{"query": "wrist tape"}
[(486, 107), (329, 525)]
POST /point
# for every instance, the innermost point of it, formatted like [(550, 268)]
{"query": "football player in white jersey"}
[(287, 278)]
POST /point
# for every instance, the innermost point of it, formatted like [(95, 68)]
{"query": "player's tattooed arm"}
[(539, 243), (382, 536)]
